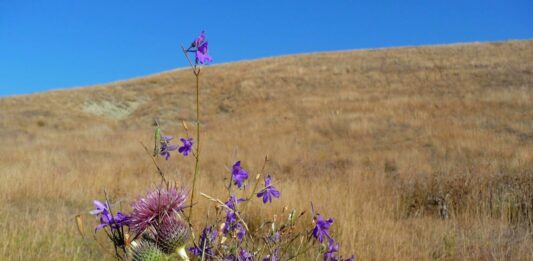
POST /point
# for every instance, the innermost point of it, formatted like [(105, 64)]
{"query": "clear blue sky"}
[(58, 44)]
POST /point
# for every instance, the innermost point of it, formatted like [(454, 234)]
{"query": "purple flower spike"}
[(166, 147), (239, 174), (201, 44), (187, 146), (321, 228), (269, 191)]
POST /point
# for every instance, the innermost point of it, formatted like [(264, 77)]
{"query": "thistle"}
[(147, 251), (171, 235), (155, 206)]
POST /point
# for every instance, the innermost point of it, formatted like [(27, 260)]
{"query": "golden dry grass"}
[(368, 136)]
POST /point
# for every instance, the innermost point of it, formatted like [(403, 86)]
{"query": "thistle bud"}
[(147, 251), (171, 234)]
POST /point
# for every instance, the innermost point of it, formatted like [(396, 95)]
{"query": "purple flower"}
[(245, 256), (106, 219), (200, 43), (241, 232), (231, 218), (321, 228), (332, 249), (233, 201), (208, 236), (100, 207), (166, 147), (239, 175), (201, 54), (187, 146), (156, 205), (273, 257), (200, 39), (275, 237), (269, 191)]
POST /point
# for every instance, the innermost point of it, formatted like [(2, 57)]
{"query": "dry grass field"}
[(389, 142)]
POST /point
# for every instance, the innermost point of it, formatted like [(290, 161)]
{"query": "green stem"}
[(197, 163)]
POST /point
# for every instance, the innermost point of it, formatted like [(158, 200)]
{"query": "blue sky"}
[(58, 44)]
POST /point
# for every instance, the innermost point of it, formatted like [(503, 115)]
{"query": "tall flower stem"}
[(197, 157)]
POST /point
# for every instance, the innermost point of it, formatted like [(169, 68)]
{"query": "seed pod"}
[(157, 140)]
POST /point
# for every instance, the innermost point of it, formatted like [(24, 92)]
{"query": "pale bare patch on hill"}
[(381, 140)]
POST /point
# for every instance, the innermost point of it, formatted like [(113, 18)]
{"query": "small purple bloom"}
[(201, 44), (166, 147), (321, 228), (273, 257), (116, 222), (208, 236), (332, 249), (200, 39), (269, 191), (245, 256), (239, 174), (100, 207), (187, 146), (231, 218), (106, 219), (233, 201), (241, 232)]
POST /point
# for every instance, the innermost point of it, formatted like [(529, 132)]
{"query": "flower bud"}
[(147, 251), (171, 234)]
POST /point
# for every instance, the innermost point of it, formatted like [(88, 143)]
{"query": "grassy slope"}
[(347, 130)]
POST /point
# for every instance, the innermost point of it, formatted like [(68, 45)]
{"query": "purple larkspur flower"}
[(232, 224), (106, 218), (239, 175), (187, 146), (156, 205), (208, 236), (99, 207), (245, 255), (166, 147), (200, 46), (233, 201), (269, 191), (321, 228), (332, 249), (241, 232)]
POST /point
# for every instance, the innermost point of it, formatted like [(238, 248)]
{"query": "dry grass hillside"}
[(389, 142)]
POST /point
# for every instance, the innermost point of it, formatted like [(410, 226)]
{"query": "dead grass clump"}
[(505, 196)]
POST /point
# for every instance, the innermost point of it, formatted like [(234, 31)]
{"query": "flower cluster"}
[(160, 231)]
